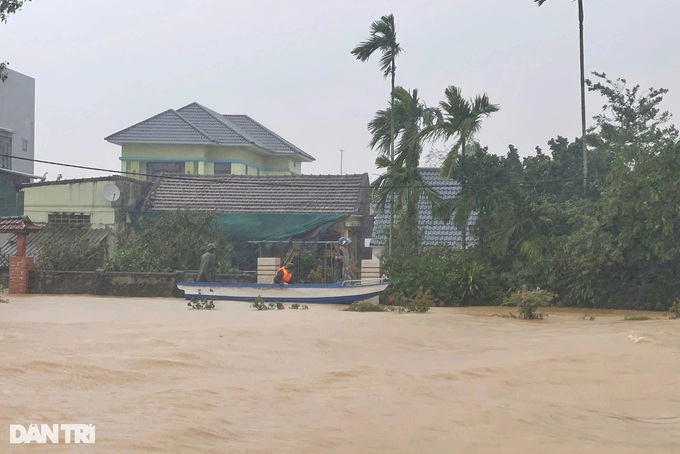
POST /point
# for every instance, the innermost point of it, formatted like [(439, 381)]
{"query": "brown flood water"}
[(154, 376)]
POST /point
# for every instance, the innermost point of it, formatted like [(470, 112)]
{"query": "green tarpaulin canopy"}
[(259, 226)]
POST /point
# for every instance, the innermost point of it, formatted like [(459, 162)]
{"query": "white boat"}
[(345, 292)]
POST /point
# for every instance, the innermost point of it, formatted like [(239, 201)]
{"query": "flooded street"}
[(154, 376)]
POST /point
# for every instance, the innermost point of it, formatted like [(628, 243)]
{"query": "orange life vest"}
[(287, 275)]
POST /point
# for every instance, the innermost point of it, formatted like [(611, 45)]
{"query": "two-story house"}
[(199, 141)]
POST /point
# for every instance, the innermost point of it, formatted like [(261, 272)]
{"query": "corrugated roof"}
[(196, 124), (84, 180), (435, 232), (336, 194), (51, 234)]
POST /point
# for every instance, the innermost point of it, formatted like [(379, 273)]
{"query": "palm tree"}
[(583, 89), (383, 37), (409, 119), (460, 118)]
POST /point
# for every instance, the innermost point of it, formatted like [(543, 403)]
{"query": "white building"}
[(17, 122)]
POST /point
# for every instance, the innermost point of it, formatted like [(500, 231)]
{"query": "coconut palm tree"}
[(383, 37), (461, 119), (583, 89)]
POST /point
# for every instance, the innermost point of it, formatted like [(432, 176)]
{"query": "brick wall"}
[(19, 268)]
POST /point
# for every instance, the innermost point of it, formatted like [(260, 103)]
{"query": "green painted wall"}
[(11, 201), (199, 159)]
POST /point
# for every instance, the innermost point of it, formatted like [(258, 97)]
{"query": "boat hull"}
[(338, 293)]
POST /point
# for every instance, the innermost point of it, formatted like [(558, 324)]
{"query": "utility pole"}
[(341, 152)]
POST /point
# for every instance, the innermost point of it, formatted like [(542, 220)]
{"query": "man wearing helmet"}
[(284, 274)]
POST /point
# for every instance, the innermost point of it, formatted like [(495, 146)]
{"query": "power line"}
[(219, 179)]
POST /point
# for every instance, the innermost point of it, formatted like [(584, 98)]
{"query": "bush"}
[(78, 255), (529, 302), (365, 306), (420, 303), (445, 273), (675, 309), (260, 305), (201, 302), (173, 241)]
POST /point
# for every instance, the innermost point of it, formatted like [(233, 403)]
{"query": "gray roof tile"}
[(197, 124), (166, 127), (435, 231), (313, 194)]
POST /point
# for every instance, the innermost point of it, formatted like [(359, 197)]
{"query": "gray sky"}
[(101, 66)]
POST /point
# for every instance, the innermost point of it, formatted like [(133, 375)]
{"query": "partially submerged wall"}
[(116, 284)]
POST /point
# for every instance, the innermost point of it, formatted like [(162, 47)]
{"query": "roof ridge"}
[(192, 125), (298, 150), (173, 111), (217, 116)]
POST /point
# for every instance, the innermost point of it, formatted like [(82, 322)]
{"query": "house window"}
[(68, 218), (5, 150), (154, 169), (223, 168)]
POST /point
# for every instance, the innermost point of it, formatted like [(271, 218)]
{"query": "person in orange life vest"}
[(284, 274)]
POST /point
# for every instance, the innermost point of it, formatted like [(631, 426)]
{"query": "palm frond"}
[(383, 37)]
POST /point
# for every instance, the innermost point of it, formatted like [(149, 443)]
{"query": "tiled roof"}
[(14, 224), (54, 234), (434, 231), (319, 194), (196, 124)]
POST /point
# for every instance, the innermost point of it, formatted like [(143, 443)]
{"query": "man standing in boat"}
[(206, 271), (284, 274), (342, 272)]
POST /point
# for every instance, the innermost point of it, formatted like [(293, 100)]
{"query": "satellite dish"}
[(111, 192)]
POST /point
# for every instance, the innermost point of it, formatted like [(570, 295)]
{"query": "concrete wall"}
[(17, 116), (83, 196), (115, 284), (200, 159)]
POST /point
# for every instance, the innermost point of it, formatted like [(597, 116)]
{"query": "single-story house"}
[(435, 231)]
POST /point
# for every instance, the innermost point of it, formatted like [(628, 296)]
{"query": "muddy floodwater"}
[(154, 376)]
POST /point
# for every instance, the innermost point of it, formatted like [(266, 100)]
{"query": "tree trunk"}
[(462, 174), (389, 239)]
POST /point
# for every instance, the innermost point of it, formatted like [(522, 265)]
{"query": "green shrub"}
[(529, 301), (675, 309), (201, 303), (420, 303), (3, 300), (365, 306), (260, 305), (78, 255)]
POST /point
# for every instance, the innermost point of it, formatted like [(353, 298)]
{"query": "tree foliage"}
[(175, 241), (8, 7), (615, 245)]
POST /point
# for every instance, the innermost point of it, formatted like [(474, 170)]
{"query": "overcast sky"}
[(101, 66)]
